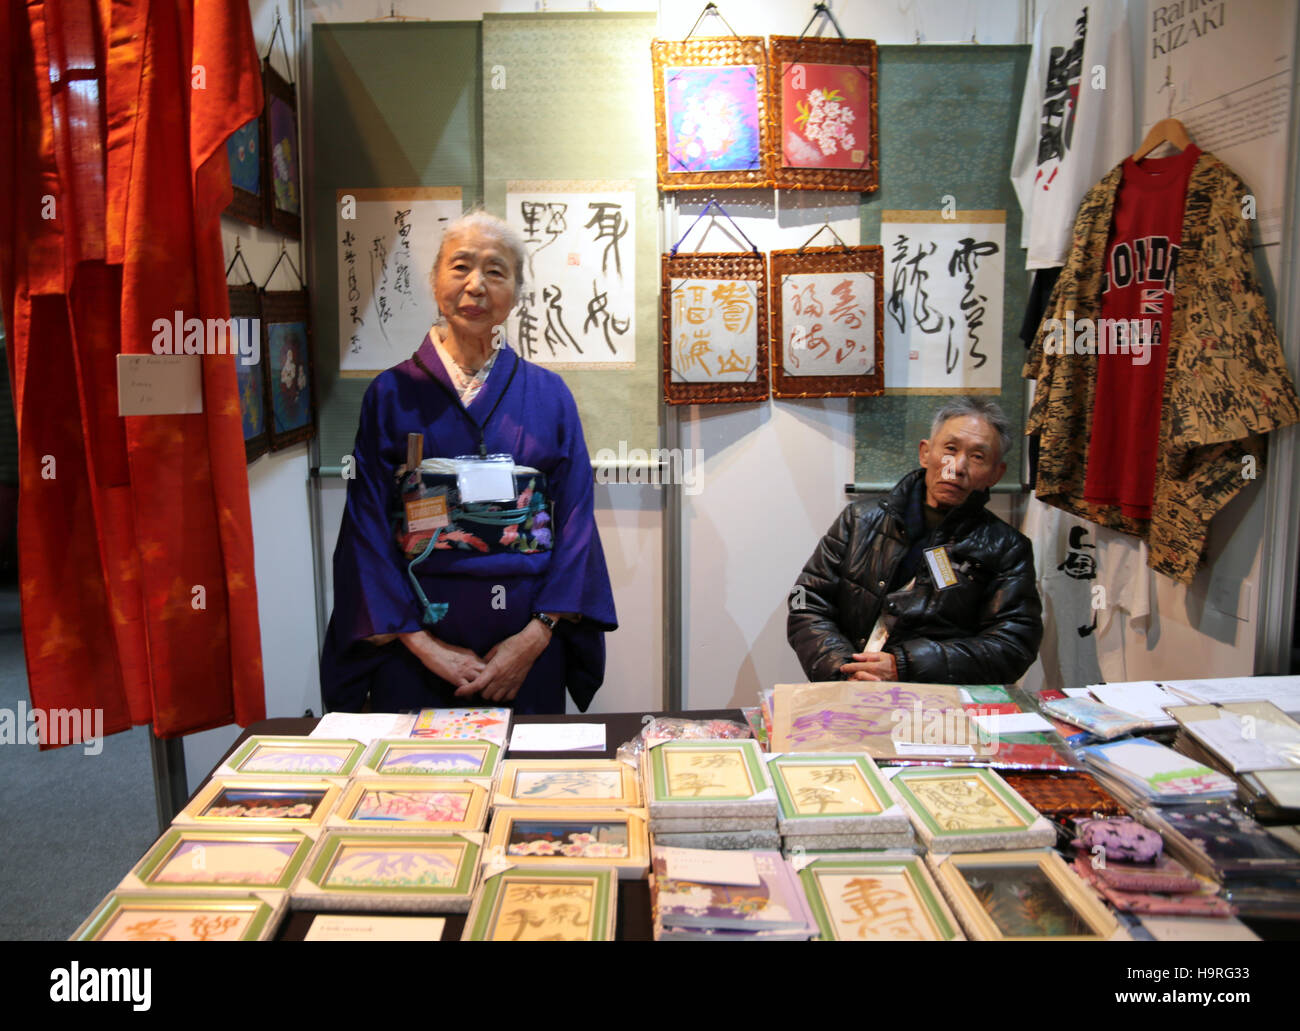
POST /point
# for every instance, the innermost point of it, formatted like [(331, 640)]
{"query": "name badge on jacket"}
[(940, 567)]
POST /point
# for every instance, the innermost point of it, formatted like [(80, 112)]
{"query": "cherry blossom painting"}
[(825, 116)]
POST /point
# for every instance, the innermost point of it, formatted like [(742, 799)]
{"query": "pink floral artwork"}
[(825, 116)]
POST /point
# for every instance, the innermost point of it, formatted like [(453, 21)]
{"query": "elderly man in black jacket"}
[(925, 585)]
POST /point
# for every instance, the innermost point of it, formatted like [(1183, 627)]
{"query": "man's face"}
[(963, 456)]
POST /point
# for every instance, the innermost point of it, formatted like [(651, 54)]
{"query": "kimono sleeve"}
[(372, 594)]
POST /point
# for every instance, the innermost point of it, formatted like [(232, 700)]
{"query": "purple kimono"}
[(490, 596)]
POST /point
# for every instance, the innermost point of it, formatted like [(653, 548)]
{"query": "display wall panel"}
[(947, 133), (394, 105), (567, 99)]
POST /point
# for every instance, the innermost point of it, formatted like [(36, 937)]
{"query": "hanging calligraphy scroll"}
[(821, 100), (710, 113), (578, 303), (280, 181), (943, 312), (714, 321), (827, 322), (387, 243), (246, 312), (290, 370)]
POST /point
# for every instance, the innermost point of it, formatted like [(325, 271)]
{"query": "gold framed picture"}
[(571, 837), (588, 783), (551, 904), (261, 802), (411, 803)]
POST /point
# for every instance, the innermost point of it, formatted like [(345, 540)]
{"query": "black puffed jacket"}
[(985, 629)]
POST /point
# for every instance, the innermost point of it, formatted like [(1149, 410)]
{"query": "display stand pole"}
[(170, 787)]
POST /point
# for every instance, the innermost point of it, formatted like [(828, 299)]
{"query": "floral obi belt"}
[(428, 506)]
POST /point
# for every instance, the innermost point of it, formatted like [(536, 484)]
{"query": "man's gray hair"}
[(490, 226), (989, 411)]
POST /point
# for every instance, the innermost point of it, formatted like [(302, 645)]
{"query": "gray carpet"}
[(71, 824)]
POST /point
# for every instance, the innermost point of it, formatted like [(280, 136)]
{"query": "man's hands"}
[(871, 666), (458, 666)]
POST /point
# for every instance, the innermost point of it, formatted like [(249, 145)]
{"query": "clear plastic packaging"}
[(674, 728)]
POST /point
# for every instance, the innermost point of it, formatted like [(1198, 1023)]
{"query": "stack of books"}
[(698, 895)]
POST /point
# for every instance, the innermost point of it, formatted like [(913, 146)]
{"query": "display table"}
[(633, 895)]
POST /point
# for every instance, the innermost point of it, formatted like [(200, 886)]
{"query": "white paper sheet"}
[(711, 866), (1284, 692), (829, 325), (338, 928), (557, 737), (714, 330), (1248, 743), (1141, 697), (996, 723), (366, 727)]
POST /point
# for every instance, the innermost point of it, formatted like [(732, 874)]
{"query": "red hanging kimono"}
[(135, 540)]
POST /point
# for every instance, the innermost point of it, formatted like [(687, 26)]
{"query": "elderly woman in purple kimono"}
[(517, 612)]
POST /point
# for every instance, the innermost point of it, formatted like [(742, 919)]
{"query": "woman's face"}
[(475, 283)]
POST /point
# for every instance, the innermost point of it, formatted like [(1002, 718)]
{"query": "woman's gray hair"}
[(489, 225), (989, 411)]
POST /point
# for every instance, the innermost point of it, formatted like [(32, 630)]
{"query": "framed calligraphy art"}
[(363, 870), (457, 760), (886, 899), (294, 757), (834, 794), (189, 857), (567, 782), (827, 329), (411, 803), (710, 113), (250, 367), (244, 152), (969, 810), (249, 801), (290, 367), (714, 320), (1021, 896), (690, 779), (545, 905), (571, 837), (821, 100), (159, 917), (281, 189)]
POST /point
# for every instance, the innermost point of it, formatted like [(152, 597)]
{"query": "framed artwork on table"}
[(295, 757), (246, 311), (1021, 896), (191, 857), (571, 837), (705, 771), (886, 899), (545, 905), (412, 803), (969, 810), (457, 760), (281, 189), (264, 802), (244, 150), (562, 782), (710, 113), (290, 367), (149, 916), (362, 870), (834, 794), (822, 102), (714, 319), (828, 332)]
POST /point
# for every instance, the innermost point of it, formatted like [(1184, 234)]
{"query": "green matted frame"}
[(167, 846), (862, 763), (657, 785), (388, 751), (333, 842), (243, 762), (998, 787), (911, 869), (484, 917), (186, 907)]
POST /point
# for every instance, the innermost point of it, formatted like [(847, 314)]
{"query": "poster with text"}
[(578, 305), (1224, 70), (387, 241), (943, 299)]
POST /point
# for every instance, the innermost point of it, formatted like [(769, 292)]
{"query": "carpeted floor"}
[(71, 824)]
